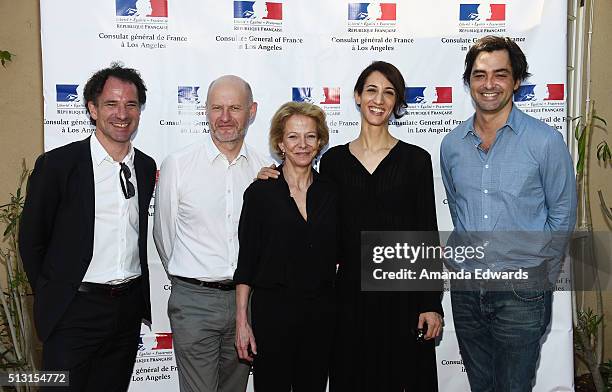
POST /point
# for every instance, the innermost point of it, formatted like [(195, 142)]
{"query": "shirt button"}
[(486, 166), (486, 216), (486, 191)]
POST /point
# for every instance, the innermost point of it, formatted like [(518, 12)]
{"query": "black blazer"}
[(57, 228)]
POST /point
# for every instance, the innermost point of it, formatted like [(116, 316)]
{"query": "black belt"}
[(212, 285), (111, 290)]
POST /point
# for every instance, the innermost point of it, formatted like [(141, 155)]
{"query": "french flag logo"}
[(332, 96), (443, 95), (482, 12), (372, 11), (321, 96), (67, 93), (556, 92), (414, 94), (142, 8), (188, 95), (498, 12), (540, 92), (157, 341), (258, 10), (163, 341), (422, 95), (525, 93)]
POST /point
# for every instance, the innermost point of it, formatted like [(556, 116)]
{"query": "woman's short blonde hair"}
[(279, 120)]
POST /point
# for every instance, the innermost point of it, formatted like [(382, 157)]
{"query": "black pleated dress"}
[(374, 345)]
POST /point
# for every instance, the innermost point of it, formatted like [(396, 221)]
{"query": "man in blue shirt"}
[(508, 177)]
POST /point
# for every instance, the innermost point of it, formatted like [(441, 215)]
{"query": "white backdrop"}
[(296, 49)]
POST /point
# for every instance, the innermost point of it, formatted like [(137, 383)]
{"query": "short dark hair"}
[(95, 84), (491, 43), (394, 76)]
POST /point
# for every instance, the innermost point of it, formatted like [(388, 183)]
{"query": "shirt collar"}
[(213, 152), (469, 126), (99, 154), (513, 121)]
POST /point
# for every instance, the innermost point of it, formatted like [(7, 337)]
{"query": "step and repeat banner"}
[(307, 51)]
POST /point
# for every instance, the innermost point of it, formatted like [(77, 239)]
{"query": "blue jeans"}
[(499, 335)]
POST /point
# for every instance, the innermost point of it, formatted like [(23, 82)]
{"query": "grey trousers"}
[(203, 329)]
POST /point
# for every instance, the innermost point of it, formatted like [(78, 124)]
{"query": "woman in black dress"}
[(287, 258), (383, 184)]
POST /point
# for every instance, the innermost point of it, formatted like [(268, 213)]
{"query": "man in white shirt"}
[(83, 240), (198, 204)]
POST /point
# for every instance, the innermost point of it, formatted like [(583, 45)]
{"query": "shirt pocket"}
[(467, 178), (520, 179)]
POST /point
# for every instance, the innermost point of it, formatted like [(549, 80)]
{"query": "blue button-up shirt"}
[(524, 185)]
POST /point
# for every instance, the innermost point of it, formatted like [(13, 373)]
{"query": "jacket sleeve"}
[(38, 216)]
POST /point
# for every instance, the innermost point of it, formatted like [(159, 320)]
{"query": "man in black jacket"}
[(83, 240)]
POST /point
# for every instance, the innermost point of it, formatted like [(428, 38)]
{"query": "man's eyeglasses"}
[(124, 178)]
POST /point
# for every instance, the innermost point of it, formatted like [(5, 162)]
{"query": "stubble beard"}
[(233, 139)]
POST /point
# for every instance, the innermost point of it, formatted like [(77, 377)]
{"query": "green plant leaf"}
[(603, 151), (599, 153), (5, 56), (577, 129), (9, 228), (600, 119), (588, 321)]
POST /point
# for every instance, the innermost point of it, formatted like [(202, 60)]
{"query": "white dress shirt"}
[(197, 209), (115, 248)]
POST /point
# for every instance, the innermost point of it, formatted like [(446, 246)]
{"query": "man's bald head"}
[(231, 82), (230, 110)]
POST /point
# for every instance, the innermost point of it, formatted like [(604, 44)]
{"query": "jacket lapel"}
[(86, 179)]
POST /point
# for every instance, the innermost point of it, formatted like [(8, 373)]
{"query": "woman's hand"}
[(244, 334), (434, 324), (244, 339), (268, 172)]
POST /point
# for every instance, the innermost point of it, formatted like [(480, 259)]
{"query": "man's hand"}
[(244, 339), (434, 324), (268, 172)]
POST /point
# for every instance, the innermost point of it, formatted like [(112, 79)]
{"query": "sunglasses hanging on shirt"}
[(124, 178)]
